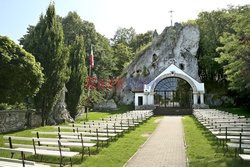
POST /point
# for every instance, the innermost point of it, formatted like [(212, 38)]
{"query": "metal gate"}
[(173, 93)]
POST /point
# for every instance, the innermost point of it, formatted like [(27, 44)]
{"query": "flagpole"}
[(88, 101), (90, 66)]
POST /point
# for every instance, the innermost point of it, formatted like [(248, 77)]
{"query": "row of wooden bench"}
[(84, 135), (230, 130)]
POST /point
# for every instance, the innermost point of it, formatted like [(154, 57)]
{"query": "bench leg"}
[(12, 154), (70, 161), (89, 151), (235, 152), (82, 152), (225, 150), (97, 148), (61, 163)]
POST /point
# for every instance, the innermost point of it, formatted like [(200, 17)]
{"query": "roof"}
[(138, 90)]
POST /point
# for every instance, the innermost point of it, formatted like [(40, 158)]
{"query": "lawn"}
[(94, 115), (116, 154), (202, 148), (240, 111)]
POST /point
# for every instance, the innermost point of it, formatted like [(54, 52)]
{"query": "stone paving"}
[(165, 148)]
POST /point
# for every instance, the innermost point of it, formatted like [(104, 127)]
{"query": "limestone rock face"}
[(106, 105), (216, 101), (60, 113), (176, 45)]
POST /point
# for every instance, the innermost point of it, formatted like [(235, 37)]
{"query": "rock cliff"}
[(175, 45)]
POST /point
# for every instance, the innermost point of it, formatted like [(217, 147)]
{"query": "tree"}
[(141, 40), (212, 25), (20, 75), (124, 55), (234, 54), (105, 61), (74, 26), (124, 35), (77, 82), (46, 42), (126, 44)]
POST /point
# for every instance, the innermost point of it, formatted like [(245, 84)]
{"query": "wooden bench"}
[(245, 157), (72, 136), (54, 142), (9, 162), (87, 131), (41, 151)]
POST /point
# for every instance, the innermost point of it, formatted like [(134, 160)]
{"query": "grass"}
[(94, 115), (116, 154), (202, 147), (237, 110)]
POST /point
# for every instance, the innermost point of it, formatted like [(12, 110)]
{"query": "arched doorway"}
[(173, 92), (148, 96)]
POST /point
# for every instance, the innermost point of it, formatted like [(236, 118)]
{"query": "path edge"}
[(185, 143), (142, 144)]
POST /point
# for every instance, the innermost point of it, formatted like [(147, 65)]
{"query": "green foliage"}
[(124, 35), (141, 40), (183, 93), (212, 25), (128, 47), (46, 42), (123, 55), (20, 75), (74, 26), (223, 54), (76, 94), (238, 110), (145, 71), (218, 89), (234, 54), (104, 60), (16, 106)]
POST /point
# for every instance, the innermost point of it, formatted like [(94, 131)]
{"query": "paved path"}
[(165, 148)]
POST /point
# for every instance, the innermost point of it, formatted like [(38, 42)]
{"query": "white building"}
[(145, 98)]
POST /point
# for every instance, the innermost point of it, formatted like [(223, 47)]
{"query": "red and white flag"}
[(91, 59)]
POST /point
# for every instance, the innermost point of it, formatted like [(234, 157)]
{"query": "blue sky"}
[(107, 15)]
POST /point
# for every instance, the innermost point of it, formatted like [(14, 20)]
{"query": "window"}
[(140, 100), (154, 58), (182, 67)]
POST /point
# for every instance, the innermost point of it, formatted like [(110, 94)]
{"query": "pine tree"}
[(46, 42), (77, 82)]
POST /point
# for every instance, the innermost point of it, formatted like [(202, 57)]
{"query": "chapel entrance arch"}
[(173, 92)]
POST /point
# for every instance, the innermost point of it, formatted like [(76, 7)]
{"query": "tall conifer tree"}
[(77, 82), (46, 42)]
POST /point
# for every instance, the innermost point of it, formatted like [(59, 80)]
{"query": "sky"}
[(107, 15)]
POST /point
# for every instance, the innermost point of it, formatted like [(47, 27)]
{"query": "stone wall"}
[(13, 120)]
